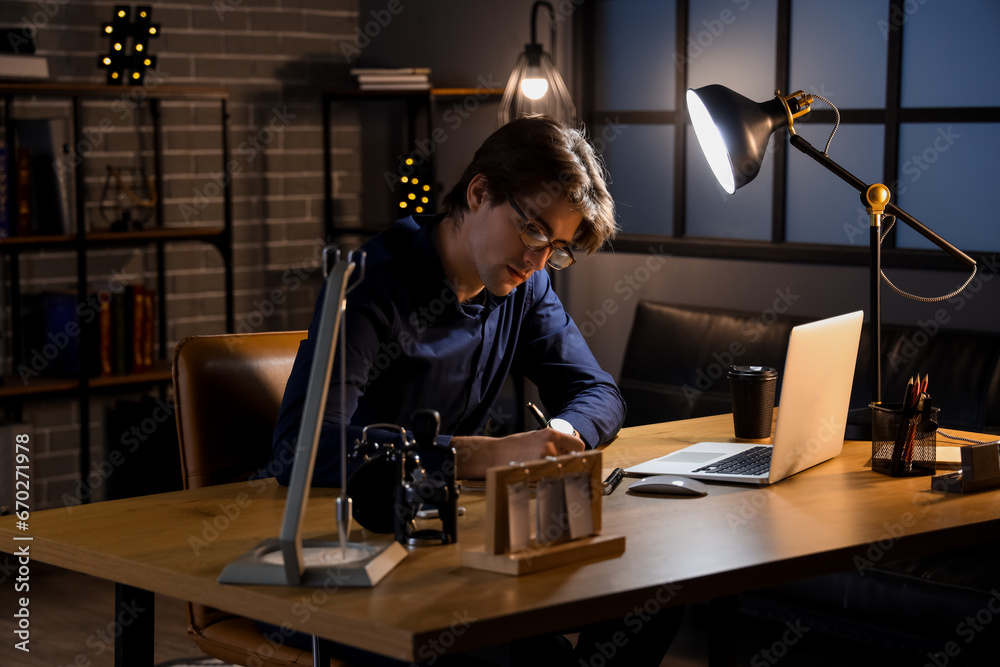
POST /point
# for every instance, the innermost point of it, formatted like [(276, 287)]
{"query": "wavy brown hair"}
[(538, 155)]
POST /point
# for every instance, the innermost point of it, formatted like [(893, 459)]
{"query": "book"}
[(121, 338), (148, 329), (414, 78), (23, 66), (5, 217), (23, 213), (103, 337), (396, 86), (47, 187), (390, 71), (51, 343), (403, 78)]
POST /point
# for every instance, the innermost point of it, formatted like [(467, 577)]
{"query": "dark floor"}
[(72, 625)]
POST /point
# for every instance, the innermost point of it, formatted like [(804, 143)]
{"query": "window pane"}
[(634, 60), (840, 54), (731, 42), (946, 183), (714, 213), (950, 53), (821, 207), (640, 161)]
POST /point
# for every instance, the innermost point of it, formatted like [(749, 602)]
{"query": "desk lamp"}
[(535, 85), (733, 132), (289, 560)]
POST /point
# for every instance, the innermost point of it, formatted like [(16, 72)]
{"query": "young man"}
[(448, 307), (451, 304)]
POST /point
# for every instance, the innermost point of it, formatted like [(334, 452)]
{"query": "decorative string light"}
[(124, 63)]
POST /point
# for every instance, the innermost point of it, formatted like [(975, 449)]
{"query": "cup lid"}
[(755, 372)]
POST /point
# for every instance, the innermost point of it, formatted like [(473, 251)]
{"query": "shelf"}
[(412, 92), (14, 387), (143, 92), (94, 239)]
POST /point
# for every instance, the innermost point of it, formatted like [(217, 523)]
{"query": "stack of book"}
[(402, 78), (121, 326)]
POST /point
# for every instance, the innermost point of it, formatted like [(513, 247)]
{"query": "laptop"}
[(815, 395)]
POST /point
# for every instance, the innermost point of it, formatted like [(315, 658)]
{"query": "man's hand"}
[(474, 454)]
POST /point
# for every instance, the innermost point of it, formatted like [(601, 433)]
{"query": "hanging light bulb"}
[(535, 85)]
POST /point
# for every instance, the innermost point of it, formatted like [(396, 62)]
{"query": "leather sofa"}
[(677, 357), (675, 368)]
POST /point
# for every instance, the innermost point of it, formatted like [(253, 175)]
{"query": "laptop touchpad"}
[(691, 457)]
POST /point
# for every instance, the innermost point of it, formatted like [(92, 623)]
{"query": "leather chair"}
[(227, 391)]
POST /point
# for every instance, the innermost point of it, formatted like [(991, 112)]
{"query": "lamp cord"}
[(975, 442), (836, 111), (914, 297)]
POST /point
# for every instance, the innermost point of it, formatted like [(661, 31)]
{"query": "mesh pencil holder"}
[(904, 442)]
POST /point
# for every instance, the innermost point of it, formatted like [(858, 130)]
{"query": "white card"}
[(552, 521), (578, 498), (518, 515)]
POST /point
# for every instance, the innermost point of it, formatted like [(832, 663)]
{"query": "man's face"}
[(501, 258)]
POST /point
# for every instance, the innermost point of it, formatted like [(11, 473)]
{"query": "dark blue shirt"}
[(412, 345)]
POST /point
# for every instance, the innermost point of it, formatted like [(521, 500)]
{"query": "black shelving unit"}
[(13, 392)]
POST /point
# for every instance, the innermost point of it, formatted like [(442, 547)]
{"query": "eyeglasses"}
[(535, 239)]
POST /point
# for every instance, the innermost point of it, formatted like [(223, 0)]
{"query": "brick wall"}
[(275, 56)]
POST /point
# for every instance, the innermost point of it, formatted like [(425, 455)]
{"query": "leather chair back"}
[(227, 389), (227, 392)]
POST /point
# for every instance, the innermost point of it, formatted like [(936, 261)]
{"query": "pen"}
[(613, 480), (537, 414)]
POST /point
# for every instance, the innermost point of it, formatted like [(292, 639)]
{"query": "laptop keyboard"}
[(753, 461)]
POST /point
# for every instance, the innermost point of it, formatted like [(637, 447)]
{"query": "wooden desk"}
[(678, 550)]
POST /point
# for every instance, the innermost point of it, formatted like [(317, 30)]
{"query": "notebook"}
[(815, 395)]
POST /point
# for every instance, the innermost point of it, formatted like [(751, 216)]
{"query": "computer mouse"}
[(669, 485)]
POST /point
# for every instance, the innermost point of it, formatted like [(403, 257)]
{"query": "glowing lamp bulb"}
[(534, 89)]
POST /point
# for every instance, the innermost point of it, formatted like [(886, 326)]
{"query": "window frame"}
[(777, 249)]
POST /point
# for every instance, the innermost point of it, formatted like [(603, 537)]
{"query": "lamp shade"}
[(733, 131), (535, 85)]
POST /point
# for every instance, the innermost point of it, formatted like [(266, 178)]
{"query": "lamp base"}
[(362, 565), (859, 424)]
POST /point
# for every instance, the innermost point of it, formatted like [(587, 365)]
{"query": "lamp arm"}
[(862, 187)]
